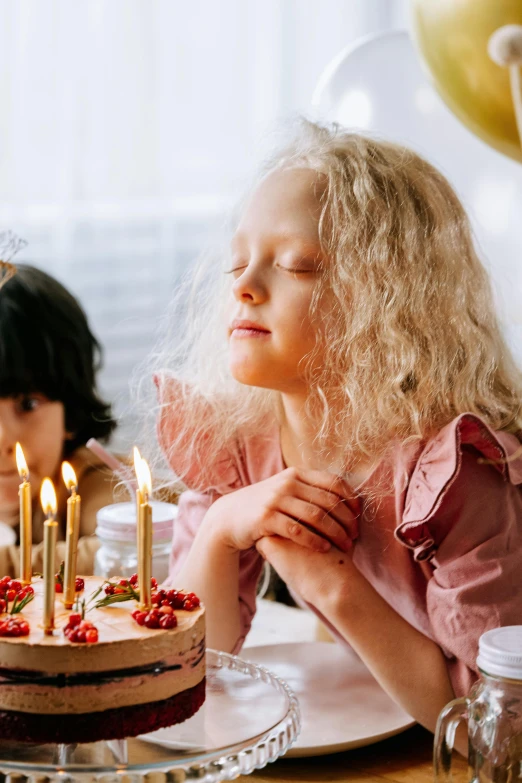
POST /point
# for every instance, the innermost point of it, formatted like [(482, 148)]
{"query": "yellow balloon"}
[(453, 36)]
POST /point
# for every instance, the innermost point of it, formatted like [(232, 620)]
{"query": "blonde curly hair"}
[(411, 340)]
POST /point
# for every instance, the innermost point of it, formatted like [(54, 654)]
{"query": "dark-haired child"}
[(50, 404)]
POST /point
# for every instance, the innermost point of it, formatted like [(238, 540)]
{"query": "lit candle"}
[(26, 518), (71, 538), (48, 500), (139, 496), (144, 532)]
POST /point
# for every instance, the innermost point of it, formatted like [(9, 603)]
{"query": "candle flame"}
[(137, 459), (48, 497), (143, 477), (21, 464), (69, 476)]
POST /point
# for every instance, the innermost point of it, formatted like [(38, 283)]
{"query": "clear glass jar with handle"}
[(116, 531), (493, 711)]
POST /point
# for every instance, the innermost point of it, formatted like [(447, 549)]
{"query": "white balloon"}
[(378, 86)]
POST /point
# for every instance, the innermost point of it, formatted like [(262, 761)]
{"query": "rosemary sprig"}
[(125, 593), (19, 604), (79, 607)]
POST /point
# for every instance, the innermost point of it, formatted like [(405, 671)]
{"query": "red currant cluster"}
[(122, 587), (163, 604), (11, 589), (14, 626), (176, 599), (79, 584), (80, 631), (157, 617)]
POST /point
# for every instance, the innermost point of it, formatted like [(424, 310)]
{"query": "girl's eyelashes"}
[(27, 403), (295, 269)]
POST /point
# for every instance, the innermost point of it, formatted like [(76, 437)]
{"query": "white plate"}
[(7, 535), (342, 705)]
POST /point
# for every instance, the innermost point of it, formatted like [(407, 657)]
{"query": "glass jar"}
[(116, 531), (493, 711)]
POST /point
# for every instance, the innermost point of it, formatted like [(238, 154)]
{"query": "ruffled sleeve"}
[(206, 483), (463, 513)]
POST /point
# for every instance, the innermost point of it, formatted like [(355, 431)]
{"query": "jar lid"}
[(117, 522), (500, 652)]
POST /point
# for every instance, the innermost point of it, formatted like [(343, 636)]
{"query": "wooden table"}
[(402, 759)]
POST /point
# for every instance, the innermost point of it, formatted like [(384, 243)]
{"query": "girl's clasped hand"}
[(311, 508)]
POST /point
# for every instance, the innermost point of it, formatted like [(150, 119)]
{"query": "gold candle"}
[(26, 518), (144, 533), (72, 532), (139, 499), (48, 500)]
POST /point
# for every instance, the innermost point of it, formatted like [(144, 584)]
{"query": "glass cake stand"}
[(250, 717)]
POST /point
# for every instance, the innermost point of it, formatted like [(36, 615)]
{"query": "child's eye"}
[(27, 403), (236, 268)]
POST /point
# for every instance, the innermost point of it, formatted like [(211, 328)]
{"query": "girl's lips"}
[(244, 328), (242, 332)]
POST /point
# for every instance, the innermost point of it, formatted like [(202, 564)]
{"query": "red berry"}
[(3, 605), (14, 626), (79, 584), (4, 581), (166, 610), (123, 582), (15, 585), (140, 617), (118, 590), (79, 636), (151, 620), (59, 587), (10, 595), (74, 620), (109, 589), (91, 636), (168, 621), (134, 579), (153, 582)]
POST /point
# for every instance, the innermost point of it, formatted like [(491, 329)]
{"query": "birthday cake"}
[(108, 671)]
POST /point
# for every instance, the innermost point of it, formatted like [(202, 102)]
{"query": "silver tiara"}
[(10, 245)]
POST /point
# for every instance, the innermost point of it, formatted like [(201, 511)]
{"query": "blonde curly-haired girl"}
[(342, 404)]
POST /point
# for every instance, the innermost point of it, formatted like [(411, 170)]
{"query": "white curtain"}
[(128, 126)]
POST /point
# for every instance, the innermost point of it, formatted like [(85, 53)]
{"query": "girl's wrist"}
[(345, 591), (215, 530)]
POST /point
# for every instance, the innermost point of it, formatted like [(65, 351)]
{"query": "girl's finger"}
[(331, 483), (332, 504), (283, 525), (316, 519)]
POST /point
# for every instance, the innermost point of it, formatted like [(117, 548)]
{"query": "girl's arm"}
[(408, 665), (216, 549), (211, 570)]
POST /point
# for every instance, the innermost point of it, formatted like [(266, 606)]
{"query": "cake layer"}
[(110, 724), (39, 693), (122, 642)]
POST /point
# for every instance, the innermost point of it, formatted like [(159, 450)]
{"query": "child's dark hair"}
[(46, 346)]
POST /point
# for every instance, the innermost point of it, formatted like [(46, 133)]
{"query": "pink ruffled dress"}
[(443, 546)]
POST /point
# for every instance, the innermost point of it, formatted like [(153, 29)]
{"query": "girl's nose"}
[(250, 287)]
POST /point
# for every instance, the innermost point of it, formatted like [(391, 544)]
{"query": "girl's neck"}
[(298, 444), (298, 438)]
